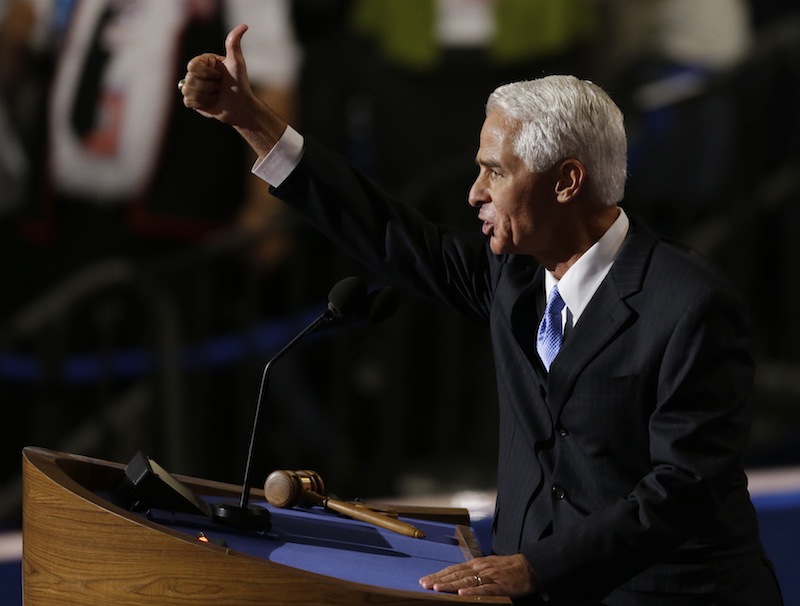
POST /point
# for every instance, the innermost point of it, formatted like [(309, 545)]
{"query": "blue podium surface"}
[(319, 541)]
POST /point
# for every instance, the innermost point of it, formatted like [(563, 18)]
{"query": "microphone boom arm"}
[(348, 301), (318, 322)]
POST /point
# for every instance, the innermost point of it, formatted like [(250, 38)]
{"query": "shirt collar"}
[(578, 285)]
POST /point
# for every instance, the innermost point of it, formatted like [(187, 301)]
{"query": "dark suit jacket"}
[(619, 474)]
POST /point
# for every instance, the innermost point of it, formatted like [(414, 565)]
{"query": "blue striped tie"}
[(548, 340)]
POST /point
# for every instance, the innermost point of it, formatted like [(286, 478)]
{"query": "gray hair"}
[(563, 117)]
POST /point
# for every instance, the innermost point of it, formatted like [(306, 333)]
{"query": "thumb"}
[(233, 45)]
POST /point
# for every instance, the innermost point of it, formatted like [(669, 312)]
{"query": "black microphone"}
[(348, 301)]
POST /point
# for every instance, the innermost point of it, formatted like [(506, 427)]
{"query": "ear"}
[(570, 177)]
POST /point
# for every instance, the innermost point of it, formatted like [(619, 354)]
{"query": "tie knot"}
[(555, 304)]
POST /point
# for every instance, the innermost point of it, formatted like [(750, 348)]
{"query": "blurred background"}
[(147, 276)]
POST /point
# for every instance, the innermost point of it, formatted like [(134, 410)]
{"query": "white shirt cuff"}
[(282, 159)]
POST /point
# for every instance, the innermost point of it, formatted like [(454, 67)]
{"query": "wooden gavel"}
[(285, 489)]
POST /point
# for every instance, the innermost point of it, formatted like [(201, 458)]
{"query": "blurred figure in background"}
[(122, 250), (664, 61), (17, 20), (117, 164)]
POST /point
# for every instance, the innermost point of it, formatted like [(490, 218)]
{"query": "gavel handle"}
[(373, 517)]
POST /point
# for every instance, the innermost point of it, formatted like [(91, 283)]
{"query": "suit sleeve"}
[(393, 240)]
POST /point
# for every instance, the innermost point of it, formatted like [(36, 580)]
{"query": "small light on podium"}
[(203, 538)]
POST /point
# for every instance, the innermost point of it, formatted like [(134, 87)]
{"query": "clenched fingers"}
[(202, 82)]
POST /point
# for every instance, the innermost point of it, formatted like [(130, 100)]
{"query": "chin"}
[(497, 247)]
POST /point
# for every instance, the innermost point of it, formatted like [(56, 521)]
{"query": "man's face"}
[(514, 204)]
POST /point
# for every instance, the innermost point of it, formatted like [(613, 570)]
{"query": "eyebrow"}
[(488, 163)]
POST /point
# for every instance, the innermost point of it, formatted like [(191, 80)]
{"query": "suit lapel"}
[(605, 317), (524, 323), (526, 375)]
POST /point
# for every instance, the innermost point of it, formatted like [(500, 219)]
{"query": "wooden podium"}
[(80, 549)]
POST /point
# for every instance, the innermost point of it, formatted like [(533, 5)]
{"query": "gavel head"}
[(284, 488)]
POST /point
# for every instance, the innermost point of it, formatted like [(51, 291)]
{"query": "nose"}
[(477, 194)]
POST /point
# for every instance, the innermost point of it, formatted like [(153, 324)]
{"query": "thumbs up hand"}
[(217, 87)]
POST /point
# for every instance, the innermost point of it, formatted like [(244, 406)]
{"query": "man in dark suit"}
[(620, 478)]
